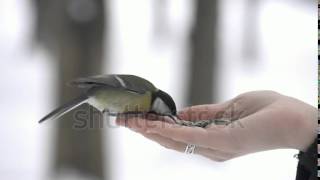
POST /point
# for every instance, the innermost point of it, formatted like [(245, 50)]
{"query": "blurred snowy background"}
[(257, 45)]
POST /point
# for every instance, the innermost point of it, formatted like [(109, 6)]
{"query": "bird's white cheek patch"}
[(160, 107)]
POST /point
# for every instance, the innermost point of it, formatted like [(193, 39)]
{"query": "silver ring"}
[(190, 149)]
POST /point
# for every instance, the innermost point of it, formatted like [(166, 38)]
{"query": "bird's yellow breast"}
[(120, 101)]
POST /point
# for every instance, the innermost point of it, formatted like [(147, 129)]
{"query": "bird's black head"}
[(162, 103)]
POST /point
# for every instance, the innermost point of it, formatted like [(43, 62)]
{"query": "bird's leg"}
[(175, 119)]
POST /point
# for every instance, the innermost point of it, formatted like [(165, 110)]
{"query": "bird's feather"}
[(65, 108), (124, 82)]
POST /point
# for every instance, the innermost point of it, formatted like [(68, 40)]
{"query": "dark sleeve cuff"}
[(307, 167)]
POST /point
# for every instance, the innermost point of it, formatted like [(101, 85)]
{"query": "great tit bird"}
[(117, 94), (126, 94)]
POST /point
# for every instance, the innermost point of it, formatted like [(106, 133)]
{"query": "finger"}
[(135, 124), (214, 155), (203, 112), (206, 152), (122, 119), (156, 117), (168, 143), (215, 138), (184, 134), (141, 121)]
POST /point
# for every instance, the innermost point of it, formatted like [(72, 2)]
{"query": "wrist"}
[(306, 128)]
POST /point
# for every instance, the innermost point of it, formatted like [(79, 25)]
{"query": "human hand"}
[(261, 120)]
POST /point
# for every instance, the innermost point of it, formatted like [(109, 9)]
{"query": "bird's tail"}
[(65, 108)]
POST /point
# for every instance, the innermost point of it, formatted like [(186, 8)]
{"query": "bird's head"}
[(163, 104)]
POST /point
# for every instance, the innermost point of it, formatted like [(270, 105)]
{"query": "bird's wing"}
[(125, 82), (65, 108)]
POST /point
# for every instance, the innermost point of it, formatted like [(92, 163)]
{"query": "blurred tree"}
[(251, 33), (73, 30), (160, 19), (203, 62)]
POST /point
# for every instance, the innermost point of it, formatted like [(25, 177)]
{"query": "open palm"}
[(260, 120)]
